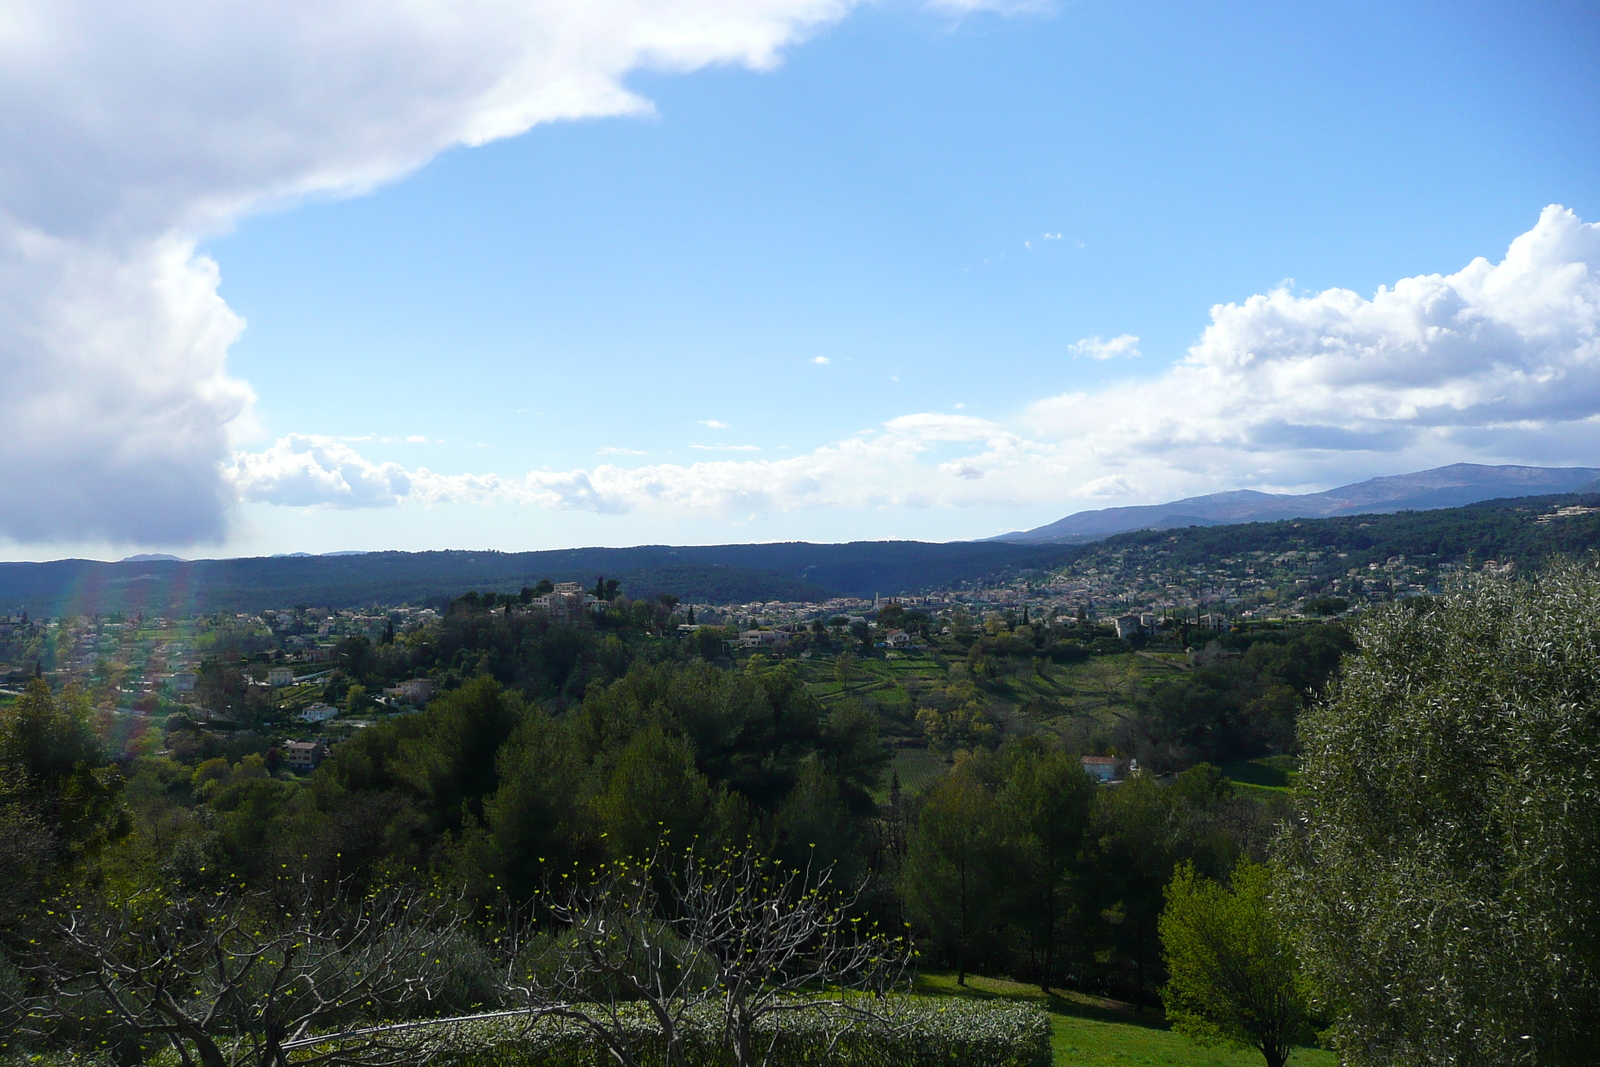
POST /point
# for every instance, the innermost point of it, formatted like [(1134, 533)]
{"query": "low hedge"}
[(908, 1032)]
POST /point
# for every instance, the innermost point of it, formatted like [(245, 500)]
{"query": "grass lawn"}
[(1267, 776), (1094, 1032)]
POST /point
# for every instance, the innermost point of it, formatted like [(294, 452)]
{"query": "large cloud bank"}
[(1499, 362), (130, 131)]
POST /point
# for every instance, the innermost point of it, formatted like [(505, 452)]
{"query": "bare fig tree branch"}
[(228, 980), (678, 934)]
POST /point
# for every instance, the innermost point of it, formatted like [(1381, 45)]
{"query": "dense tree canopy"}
[(1447, 876)]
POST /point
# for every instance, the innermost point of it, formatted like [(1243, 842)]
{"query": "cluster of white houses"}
[(781, 637), (567, 601), (1148, 623), (1108, 770)]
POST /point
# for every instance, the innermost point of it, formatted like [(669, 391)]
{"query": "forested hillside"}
[(704, 574), (1523, 530)]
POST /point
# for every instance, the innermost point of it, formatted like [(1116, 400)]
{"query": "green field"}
[(1094, 1032), (915, 767), (1266, 776)]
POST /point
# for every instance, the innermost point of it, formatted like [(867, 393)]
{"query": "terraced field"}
[(1066, 699)]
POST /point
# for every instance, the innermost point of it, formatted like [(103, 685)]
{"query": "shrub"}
[(903, 1031)]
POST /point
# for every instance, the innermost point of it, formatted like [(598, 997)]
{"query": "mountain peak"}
[(1442, 487)]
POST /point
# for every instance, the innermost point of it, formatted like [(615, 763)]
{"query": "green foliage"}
[(1137, 845), (1046, 804), (815, 827), (1231, 970), (952, 880), (549, 748), (52, 784), (1447, 880), (1141, 831), (27, 853), (654, 788), (1241, 700), (1201, 786), (450, 760), (751, 729), (44, 738), (964, 725), (537, 819), (1328, 605)]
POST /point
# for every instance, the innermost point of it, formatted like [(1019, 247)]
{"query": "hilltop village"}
[(135, 662)]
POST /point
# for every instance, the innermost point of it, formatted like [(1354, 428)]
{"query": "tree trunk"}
[(961, 943), (272, 1054), (1049, 941), (210, 1054)]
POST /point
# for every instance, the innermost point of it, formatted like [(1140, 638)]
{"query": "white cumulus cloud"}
[(303, 470), (131, 131), (1499, 362)]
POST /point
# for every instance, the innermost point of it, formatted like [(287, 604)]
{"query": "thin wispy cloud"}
[(714, 424), (1000, 7), (1126, 346)]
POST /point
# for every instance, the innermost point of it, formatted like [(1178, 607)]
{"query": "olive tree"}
[(1446, 872)]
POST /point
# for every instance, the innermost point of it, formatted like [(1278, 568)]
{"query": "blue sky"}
[(838, 297)]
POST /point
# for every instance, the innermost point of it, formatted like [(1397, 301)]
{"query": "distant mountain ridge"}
[(1454, 486)]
